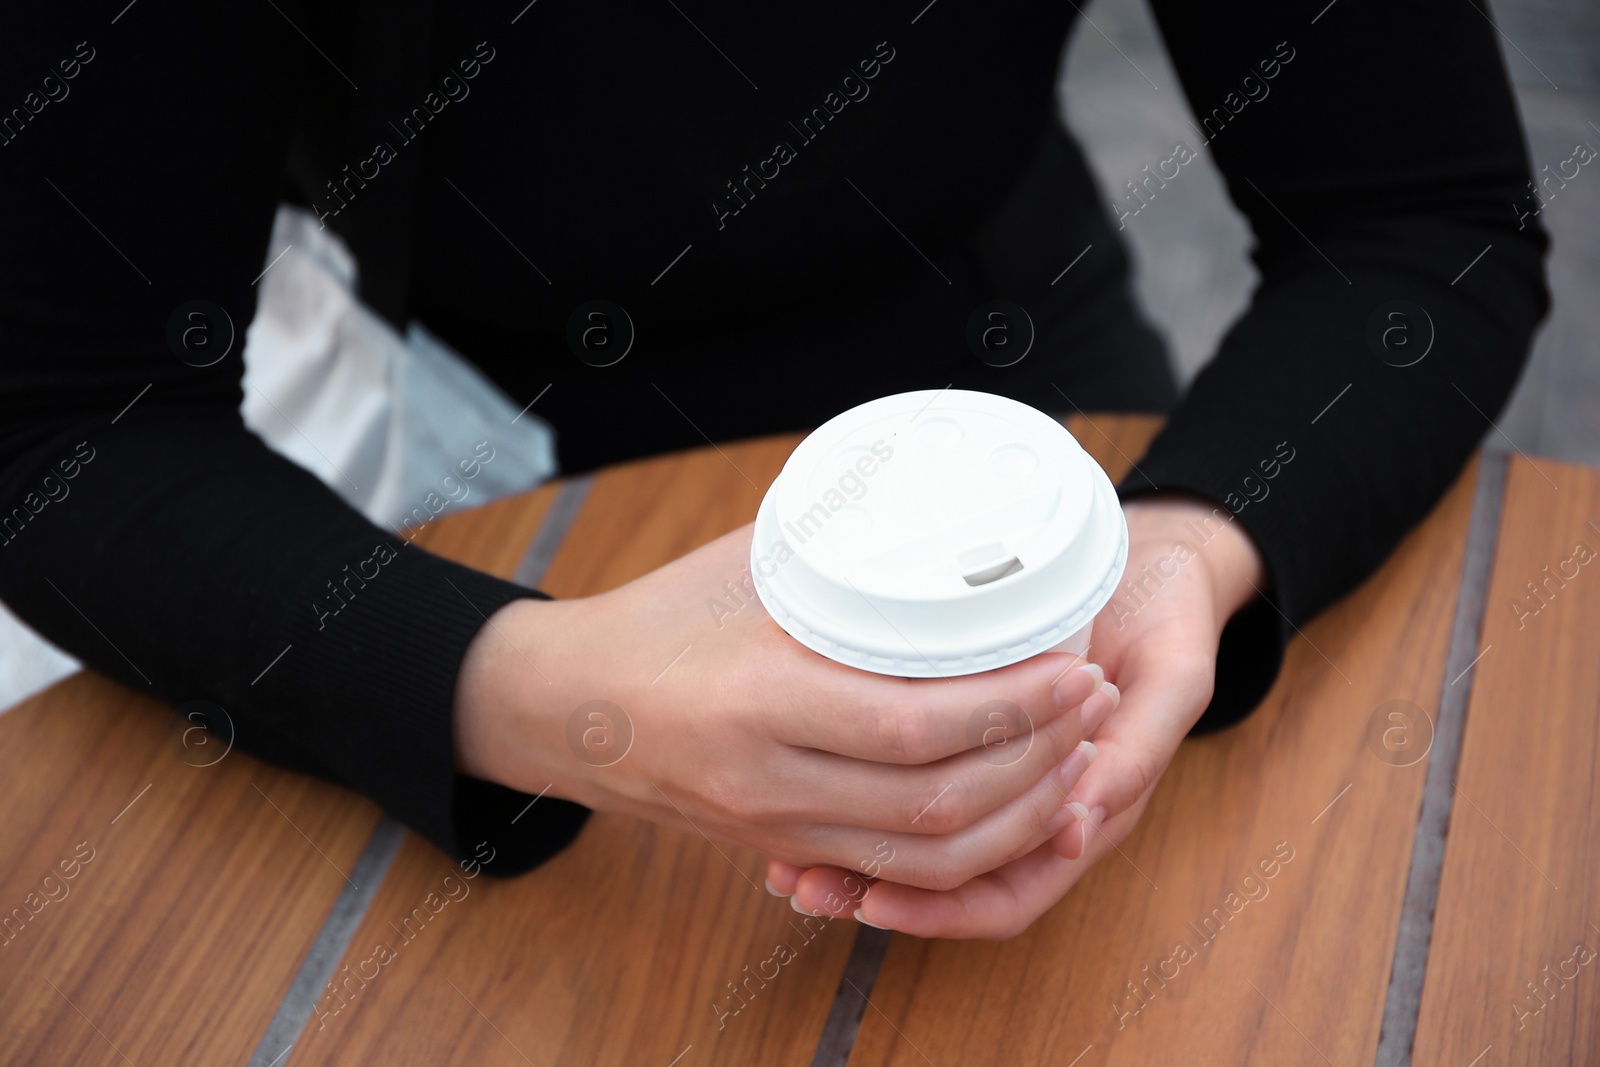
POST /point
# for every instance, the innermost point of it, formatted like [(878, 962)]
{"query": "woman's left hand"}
[(1190, 567)]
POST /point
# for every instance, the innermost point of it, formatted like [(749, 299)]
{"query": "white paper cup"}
[(938, 533)]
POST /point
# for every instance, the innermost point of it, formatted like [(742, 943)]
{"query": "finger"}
[(838, 709), (782, 877), (938, 798), (1060, 826), (1063, 823), (829, 892), (996, 906), (968, 850), (943, 862), (1071, 842), (1074, 841), (1099, 707), (1135, 746)]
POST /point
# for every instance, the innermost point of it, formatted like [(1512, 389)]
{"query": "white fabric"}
[(380, 418)]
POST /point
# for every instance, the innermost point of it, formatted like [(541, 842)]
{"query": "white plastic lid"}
[(938, 533)]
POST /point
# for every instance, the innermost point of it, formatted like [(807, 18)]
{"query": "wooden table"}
[(1421, 783)]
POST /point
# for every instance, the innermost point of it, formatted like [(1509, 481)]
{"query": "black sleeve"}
[(1378, 155), (142, 527)]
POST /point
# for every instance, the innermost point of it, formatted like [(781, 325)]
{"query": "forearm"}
[(1322, 451), (189, 562), (1314, 425)]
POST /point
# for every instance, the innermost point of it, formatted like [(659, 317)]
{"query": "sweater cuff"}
[(1249, 657), (395, 651)]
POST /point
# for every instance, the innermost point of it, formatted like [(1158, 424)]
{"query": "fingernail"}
[(1071, 769), (1065, 816), (1092, 823), (794, 902), (1098, 708), (1093, 712), (864, 922), (770, 889), (1096, 677)]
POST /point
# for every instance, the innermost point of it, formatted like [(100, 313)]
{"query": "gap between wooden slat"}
[(294, 1011), (1412, 941), (850, 1000), (1404, 999)]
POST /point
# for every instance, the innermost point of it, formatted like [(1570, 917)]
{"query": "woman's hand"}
[(676, 698), (1191, 568)]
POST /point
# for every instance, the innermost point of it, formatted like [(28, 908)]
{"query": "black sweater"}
[(797, 217)]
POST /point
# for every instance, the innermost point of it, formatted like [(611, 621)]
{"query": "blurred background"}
[(347, 387)]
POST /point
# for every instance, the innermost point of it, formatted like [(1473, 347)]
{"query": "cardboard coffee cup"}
[(938, 533)]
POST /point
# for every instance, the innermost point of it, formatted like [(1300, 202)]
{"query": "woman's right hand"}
[(652, 701)]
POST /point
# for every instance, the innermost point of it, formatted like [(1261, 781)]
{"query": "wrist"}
[(506, 722), (1234, 565)]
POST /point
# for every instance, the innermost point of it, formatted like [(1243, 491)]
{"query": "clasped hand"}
[(896, 795), (1191, 567)]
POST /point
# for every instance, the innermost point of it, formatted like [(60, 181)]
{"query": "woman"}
[(772, 217)]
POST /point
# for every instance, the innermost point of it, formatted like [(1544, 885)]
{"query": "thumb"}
[(1160, 702)]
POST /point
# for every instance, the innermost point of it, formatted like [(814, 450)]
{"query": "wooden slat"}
[(616, 950), (1113, 440), (642, 515), (202, 898), (491, 538), (1520, 889), (1296, 975)]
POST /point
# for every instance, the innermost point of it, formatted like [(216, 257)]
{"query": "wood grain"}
[(1113, 440), (1520, 889), (200, 899), (1295, 969), (617, 949), (178, 938), (493, 537)]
